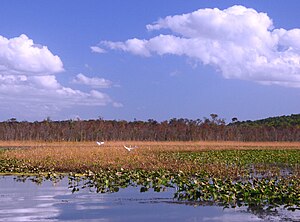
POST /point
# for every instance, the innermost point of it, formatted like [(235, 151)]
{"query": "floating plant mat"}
[(256, 194)]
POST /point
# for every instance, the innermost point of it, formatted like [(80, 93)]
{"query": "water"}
[(27, 201)]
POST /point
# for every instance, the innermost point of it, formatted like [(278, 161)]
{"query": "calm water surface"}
[(26, 201)]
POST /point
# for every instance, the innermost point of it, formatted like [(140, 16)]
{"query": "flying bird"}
[(100, 143), (130, 148)]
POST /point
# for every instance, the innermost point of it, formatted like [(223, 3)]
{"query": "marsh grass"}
[(228, 173), (211, 157)]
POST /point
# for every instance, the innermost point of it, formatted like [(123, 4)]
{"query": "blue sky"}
[(149, 59)]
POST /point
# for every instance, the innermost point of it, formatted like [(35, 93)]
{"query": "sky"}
[(127, 60)]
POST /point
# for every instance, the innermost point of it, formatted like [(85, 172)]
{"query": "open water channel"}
[(27, 201)]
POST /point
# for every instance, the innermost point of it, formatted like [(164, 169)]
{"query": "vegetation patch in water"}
[(255, 193), (254, 178)]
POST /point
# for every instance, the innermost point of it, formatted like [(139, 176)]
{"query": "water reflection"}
[(26, 201)]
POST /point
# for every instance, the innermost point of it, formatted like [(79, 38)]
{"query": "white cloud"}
[(240, 42), (20, 56), (33, 98), (135, 46), (97, 49), (94, 82), (45, 90), (45, 82), (28, 85)]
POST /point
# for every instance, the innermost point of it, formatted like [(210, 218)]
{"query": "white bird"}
[(130, 148), (100, 143)]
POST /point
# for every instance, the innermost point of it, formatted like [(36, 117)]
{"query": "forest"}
[(282, 128)]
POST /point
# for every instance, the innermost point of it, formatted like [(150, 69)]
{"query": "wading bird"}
[(130, 148), (100, 143)]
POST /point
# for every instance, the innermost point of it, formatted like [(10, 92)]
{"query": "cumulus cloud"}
[(28, 83), (20, 56), (239, 42), (94, 82)]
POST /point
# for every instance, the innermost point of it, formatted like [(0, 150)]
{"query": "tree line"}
[(277, 121), (206, 129)]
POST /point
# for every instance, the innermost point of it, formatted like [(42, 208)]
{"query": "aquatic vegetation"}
[(242, 163), (255, 193), (238, 174), (243, 157)]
